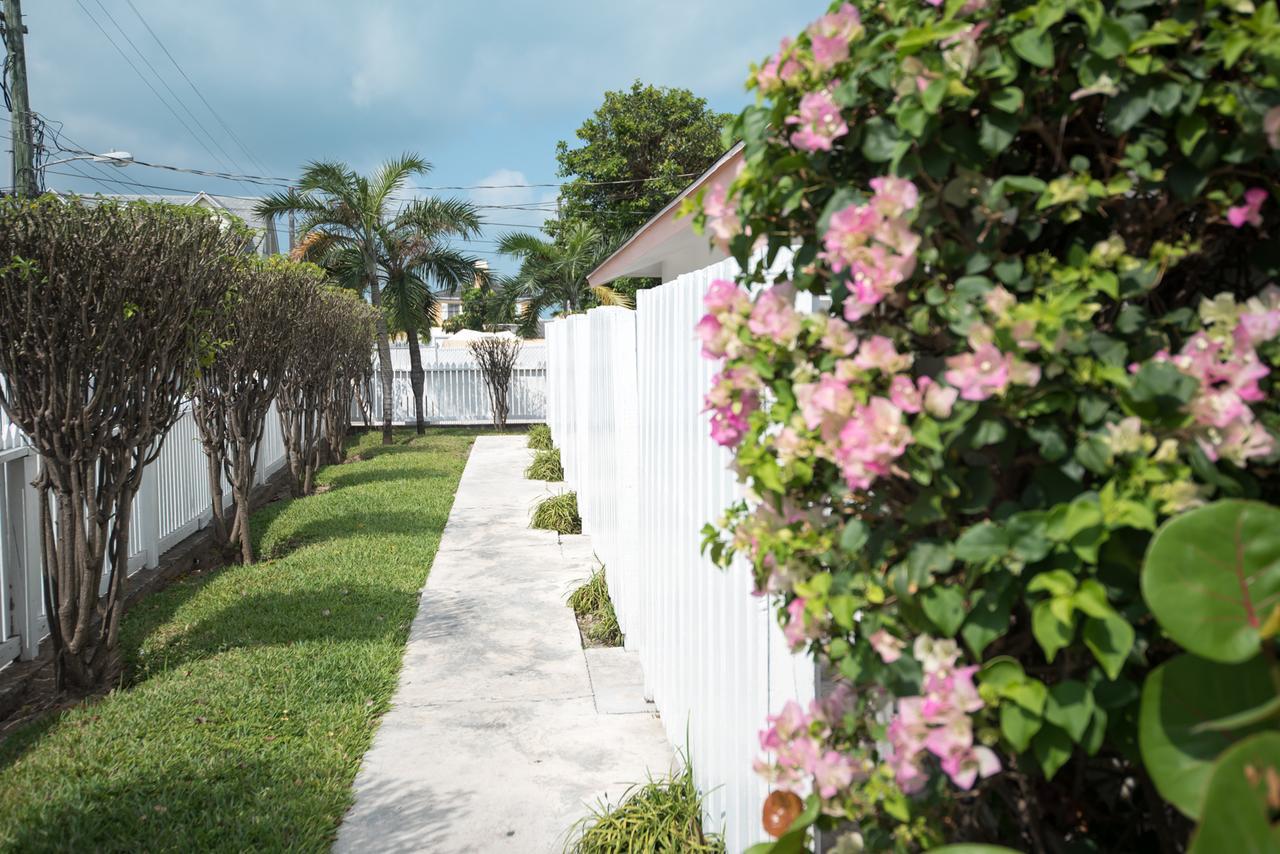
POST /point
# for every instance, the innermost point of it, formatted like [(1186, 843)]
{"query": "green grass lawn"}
[(253, 691)]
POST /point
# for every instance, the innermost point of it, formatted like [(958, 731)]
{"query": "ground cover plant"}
[(1013, 488), (597, 620), (540, 438), (660, 816), (558, 513), (252, 691), (545, 466)]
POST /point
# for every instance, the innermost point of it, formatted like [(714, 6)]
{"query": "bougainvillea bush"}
[(1048, 235)]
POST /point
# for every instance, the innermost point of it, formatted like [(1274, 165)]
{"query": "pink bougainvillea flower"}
[(999, 301), (905, 394), (886, 646), (938, 399), (878, 353), (829, 396), (874, 243), (723, 295), (1251, 211), (778, 70), (796, 631), (839, 338), (709, 332), (774, 315), (722, 215), (894, 196), (980, 374), (1271, 126), (871, 441), (830, 36), (819, 123)]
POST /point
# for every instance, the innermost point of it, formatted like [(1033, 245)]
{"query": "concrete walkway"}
[(496, 740)]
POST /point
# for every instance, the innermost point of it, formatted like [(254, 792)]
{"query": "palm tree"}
[(341, 209), (414, 254), (553, 273)]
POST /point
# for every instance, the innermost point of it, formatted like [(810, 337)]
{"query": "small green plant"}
[(540, 437), (545, 466), (660, 816), (594, 610), (558, 513)]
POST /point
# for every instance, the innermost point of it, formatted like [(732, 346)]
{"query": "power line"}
[(194, 88), (142, 76)]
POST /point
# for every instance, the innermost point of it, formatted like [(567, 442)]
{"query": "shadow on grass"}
[(347, 476)]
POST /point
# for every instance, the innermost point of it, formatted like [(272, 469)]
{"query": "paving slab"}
[(503, 731)]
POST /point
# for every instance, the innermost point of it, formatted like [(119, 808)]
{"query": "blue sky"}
[(483, 89)]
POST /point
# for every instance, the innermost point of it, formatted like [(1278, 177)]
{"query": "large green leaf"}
[(1237, 810), (1212, 578), (1179, 699)]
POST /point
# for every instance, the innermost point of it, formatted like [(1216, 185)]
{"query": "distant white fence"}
[(172, 503), (453, 387), (625, 392)]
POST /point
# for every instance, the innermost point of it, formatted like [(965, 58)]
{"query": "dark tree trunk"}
[(417, 378), (384, 345)]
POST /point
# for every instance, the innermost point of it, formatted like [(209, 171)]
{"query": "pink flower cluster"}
[(830, 36), (875, 243), (774, 315), (1250, 212), (1225, 362), (722, 215), (778, 70), (727, 307), (938, 723), (734, 395), (818, 124), (987, 371), (801, 746)]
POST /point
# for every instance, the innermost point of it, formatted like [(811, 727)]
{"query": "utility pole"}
[(24, 166)]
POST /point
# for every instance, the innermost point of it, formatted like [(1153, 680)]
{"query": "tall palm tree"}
[(553, 273), (343, 209), (415, 254)]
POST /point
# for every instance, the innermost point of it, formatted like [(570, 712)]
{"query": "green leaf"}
[(1008, 100), (1070, 706), (1190, 128), (880, 142), (944, 606), (1177, 699), (982, 542), (972, 848), (855, 535), (1057, 582), (988, 619), (1212, 575), (1018, 725), (1160, 391), (1240, 720), (1034, 46), (996, 132), (1052, 631), (1238, 808), (1052, 748), (1110, 640)]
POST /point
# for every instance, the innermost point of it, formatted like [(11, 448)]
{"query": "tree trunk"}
[(384, 344), (416, 377)]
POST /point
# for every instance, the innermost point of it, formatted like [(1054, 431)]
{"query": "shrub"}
[(594, 609), (497, 357), (558, 513), (545, 466), (540, 438), (660, 816), (1047, 234), (107, 311)]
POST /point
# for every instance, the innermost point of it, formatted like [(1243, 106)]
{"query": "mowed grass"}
[(253, 691)]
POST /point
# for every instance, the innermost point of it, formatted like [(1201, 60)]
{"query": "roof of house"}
[(667, 245)]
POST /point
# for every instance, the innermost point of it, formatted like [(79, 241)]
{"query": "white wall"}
[(625, 393)]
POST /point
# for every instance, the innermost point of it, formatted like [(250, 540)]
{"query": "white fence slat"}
[(624, 402)]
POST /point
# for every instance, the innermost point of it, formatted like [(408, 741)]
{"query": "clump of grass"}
[(540, 437), (660, 816), (594, 609), (545, 466), (558, 513)]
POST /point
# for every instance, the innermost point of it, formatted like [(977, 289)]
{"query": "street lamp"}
[(115, 158)]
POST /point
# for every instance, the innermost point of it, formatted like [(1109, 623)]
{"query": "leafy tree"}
[(107, 311), (553, 273), (640, 148), (261, 329), (344, 210)]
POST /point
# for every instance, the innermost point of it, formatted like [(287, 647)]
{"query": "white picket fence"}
[(625, 393), (172, 503), (454, 390)]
